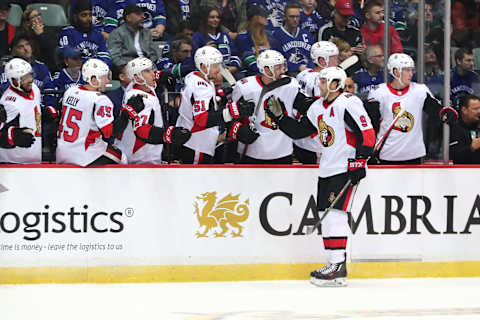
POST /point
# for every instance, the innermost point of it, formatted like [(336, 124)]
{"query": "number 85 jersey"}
[(344, 130), (86, 116)]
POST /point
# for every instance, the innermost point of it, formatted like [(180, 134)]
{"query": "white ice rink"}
[(396, 299)]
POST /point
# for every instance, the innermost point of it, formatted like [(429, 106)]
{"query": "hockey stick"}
[(227, 75), (376, 149), (347, 63), (167, 123)]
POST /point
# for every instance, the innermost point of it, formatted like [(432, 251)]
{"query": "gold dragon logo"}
[(220, 216)]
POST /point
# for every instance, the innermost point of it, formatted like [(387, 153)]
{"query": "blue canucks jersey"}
[(99, 12), (470, 83), (275, 9), (294, 47), (179, 70), (91, 44), (61, 81), (366, 82), (224, 44), (154, 13), (247, 52), (311, 22)]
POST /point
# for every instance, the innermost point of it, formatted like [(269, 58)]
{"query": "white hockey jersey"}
[(336, 136), (84, 114), (308, 80), (272, 142), (136, 150), (23, 112), (197, 97), (405, 141)]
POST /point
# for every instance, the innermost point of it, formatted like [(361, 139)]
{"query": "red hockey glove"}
[(176, 135), (241, 108), (356, 170), (242, 133)]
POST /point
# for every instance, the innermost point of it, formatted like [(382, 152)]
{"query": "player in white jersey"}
[(324, 54), (143, 139), (266, 144), (20, 115), (199, 111), (404, 144), (347, 138), (87, 117)]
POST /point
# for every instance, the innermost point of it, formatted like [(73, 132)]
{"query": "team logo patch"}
[(406, 121), (219, 218), (331, 197), (325, 133)]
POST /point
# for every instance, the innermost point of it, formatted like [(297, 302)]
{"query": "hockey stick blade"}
[(347, 63), (310, 229), (227, 75)]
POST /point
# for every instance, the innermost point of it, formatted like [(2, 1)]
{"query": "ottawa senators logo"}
[(220, 215), (325, 133), (406, 121)]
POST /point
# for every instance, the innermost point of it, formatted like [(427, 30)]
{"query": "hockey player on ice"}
[(347, 138)]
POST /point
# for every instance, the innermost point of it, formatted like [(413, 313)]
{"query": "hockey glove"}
[(241, 108), (356, 170), (3, 114), (242, 132), (275, 109), (448, 115), (166, 79), (20, 137), (50, 113), (176, 135), (134, 106)]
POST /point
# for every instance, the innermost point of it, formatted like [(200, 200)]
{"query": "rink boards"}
[(146, 223)]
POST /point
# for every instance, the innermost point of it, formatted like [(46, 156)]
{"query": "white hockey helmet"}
[(399, 61), (270, 59), (94, 68), (207, 55), (323, 49), (16, 69), (331, 74), (136, 66)]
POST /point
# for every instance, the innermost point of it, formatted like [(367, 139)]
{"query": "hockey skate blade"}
[(338, 282)]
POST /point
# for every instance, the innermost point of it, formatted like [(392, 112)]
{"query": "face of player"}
[(349, 86), (375, 15), (324, 87), (149, 76), (471, 114), (213, 72), (213, 19), (406, 76), (292, 18), (26, 82), (23, 49), (101, 82), (278, 71), (84, 19)]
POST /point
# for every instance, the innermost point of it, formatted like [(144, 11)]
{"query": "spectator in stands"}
[(42, 38), (463, 79), (275, 8), (186, 29), (254, 40), (325, 9), (433, 72), (100, 9), (465, 23), (373, 29), (292, 42), (310, 19), (131, 39), (349, 62), (372, 74), (465, 134), (178, 13), (180, 61), (81, 35), (210, 34), (116, 96), (7, 31), (155, 18), (233, 13), (339, 28)]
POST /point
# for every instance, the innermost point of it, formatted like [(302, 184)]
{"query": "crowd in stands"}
[(169, 33)]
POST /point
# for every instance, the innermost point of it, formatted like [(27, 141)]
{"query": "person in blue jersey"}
[(179, 60), (275, 8), (155, 18), (293, 42), (116, 96), (209, 34), (371, 76), (254, 40), (99, 14), (310, 19), (81, 34), (463, 79)]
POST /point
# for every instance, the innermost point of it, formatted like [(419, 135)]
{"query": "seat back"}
[(15, 15), (53, 15)]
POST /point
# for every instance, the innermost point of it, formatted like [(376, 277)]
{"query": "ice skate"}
[(331, 275)]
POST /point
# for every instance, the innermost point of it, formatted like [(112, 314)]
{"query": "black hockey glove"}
[(448, 115), (356, 170), (21, 137), (176, 135), (134, 106), (166, 79), (3, 114), (241, 108), (242, 132), (275, 109)]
